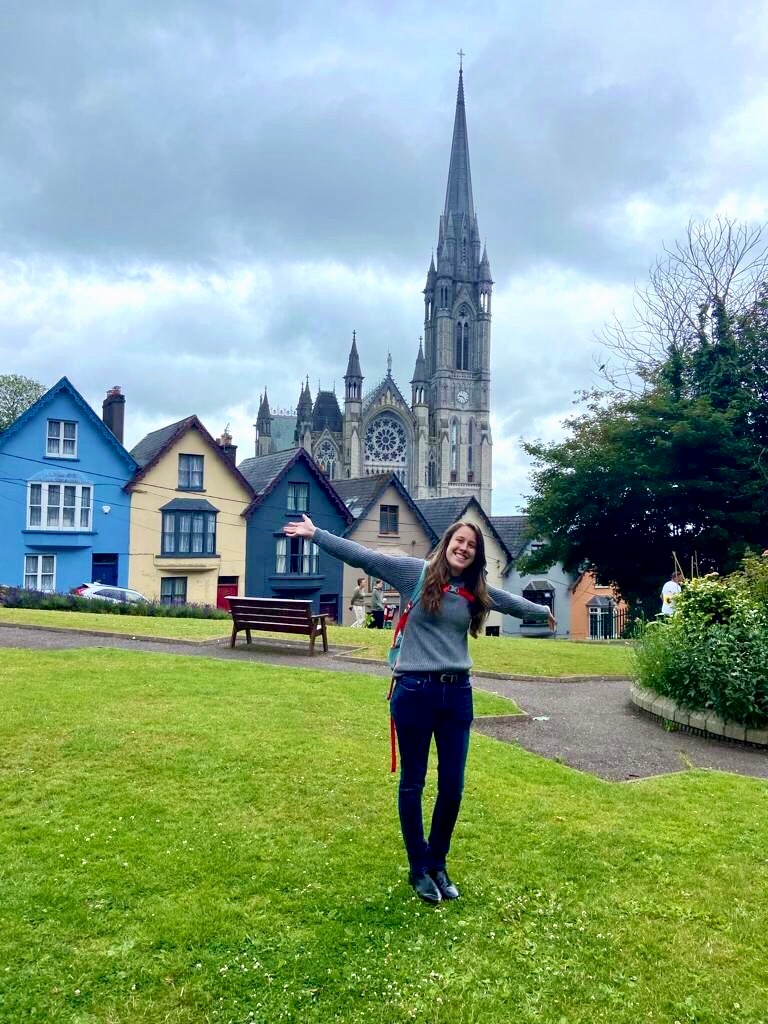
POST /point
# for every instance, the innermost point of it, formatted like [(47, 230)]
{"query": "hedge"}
[(16, 597), (712, 654)]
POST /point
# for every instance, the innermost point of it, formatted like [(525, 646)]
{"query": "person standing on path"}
[(357, 604), (432, 693), (378, 604), (669, 593)]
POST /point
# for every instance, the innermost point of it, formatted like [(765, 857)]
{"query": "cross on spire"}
[(461, 55)]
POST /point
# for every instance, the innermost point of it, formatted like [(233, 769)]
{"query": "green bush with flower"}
[(17, 597), (712, 654)]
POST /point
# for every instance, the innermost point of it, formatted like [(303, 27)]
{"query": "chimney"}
[(113, 412), (229, 449)]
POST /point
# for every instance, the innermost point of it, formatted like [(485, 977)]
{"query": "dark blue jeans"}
[(422, 708)]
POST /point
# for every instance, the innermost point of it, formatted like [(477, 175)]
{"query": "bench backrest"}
[(277, 613)]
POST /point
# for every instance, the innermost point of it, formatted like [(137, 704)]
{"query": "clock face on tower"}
[(462, 396)]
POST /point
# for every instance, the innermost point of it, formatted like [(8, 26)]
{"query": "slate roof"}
[(154, 445), (326, 413), (264, 471), (444, 512), (361, 493), (188, 505), (441, 513), (150, 446), (513, 530)]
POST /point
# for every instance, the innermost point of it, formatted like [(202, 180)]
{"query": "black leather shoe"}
[(448, 890), (424, 886)]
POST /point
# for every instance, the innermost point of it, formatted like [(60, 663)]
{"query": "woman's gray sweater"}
[(431, 643)]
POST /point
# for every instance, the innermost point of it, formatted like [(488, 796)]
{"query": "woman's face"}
[(461, 550)]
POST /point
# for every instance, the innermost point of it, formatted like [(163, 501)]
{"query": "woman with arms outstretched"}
[(432, 695)]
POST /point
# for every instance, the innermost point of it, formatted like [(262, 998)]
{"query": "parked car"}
[(120, 595)]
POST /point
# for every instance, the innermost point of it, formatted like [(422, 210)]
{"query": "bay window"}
[(59, 506)]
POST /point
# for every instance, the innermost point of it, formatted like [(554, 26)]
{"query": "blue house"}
[(64, 516), (288, 484)]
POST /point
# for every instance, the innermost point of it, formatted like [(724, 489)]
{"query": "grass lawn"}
[(514, 656), (188, 841), (130, 625)]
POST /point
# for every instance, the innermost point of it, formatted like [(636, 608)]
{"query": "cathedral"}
[(439, 443)]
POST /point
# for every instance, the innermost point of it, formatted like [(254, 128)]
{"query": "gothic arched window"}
[(385, 448), (454, 451), (470, 452), (431, 471), (326, 456), (462, 339)]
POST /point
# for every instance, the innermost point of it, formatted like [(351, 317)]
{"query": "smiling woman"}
[(432, 692)]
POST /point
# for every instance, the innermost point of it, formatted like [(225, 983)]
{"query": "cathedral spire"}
[(458, 195), (353, 365)]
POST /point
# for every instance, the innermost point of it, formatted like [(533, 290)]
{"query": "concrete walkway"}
[(590, 724)]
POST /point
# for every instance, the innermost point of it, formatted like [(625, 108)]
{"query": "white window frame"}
[(55, 435), (58, 501), (40, 564)]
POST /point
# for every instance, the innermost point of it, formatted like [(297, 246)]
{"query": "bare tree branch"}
[(720, 260)]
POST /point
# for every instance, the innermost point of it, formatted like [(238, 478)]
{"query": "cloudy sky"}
[(199, 199)]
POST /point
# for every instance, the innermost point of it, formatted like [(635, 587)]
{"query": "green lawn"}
[(514, 655), (190, 840), (507, 655), (130, 625)]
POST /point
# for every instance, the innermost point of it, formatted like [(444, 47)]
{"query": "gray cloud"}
[(153, 157)]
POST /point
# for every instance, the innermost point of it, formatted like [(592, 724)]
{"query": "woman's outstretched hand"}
[(306, 528)]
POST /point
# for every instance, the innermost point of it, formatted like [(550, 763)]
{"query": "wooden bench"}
[(276, 615)]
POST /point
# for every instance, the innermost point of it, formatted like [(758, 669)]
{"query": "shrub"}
[(15, 597), (712, 655)]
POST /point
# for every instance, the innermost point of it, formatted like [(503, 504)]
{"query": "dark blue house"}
[(64, 517), (288, 484)]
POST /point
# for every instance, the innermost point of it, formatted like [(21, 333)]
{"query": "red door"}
[(223, 591)]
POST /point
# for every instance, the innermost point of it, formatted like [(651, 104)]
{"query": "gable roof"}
[(264, 472), (263, 469), (401, 407), (64, 385), (361, 493), (444, 512), (158, 443), (513, 530)]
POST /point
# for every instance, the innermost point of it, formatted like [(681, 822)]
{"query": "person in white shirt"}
[(669, 593)]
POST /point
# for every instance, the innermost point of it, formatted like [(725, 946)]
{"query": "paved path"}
[(589, 725)]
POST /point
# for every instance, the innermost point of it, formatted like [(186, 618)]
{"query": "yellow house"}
[(187, 528), (386, 519), (444, 512)]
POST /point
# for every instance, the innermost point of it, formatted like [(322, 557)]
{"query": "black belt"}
[(439, 677)]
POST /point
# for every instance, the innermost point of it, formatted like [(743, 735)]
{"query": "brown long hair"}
[(473, 578)]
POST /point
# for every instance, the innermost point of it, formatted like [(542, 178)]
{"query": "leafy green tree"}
[(16, 394), (681, 468)]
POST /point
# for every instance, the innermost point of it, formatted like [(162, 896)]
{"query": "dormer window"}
[(61, 441)]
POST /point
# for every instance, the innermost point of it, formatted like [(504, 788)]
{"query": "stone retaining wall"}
[(704, 722)]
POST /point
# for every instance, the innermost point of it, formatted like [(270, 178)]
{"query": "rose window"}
[(385, 441)]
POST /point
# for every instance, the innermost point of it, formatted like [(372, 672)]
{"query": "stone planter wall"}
[(704, 722)]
